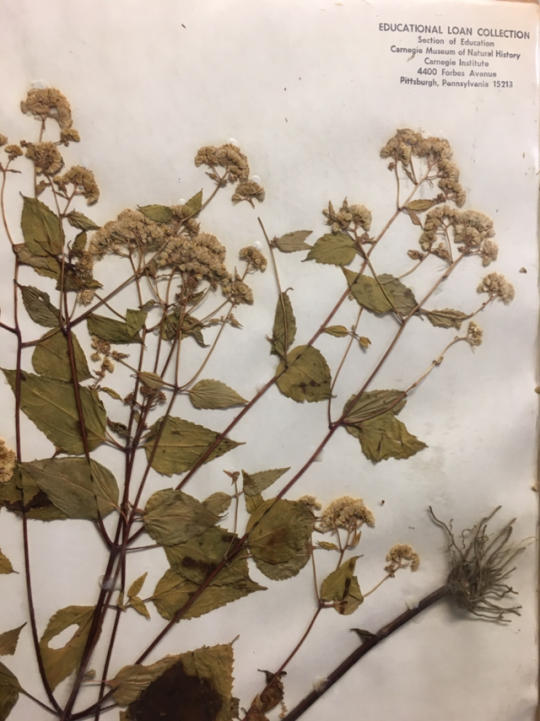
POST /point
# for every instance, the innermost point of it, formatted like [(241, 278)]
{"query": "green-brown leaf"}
[(382, 295), (172, 517), (173, 591), (80, 221), (47, 266), (137, 585), (214, 394), (446, 318), (158, 213), (181, 445), (284, 330), (338, 331), (9, 640), (42, 230), (373, 403), (287, 569), (307, 377), (76, 488), (196, 559), (39, 307), (51, 358), (9, 691), (193, 206), (341, 587), (51, 406), (419, 206), (385, 437), (333, 249), (117, 331), (292, 242), (278, 530), (217, 503), (255, 483), (5, 564), (61, 662)]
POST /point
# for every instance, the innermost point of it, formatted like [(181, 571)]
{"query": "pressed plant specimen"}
[(150, 328)]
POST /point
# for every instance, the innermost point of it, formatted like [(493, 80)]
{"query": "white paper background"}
[(309, 90)]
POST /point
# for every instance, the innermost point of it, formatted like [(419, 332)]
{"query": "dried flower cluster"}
[(82, 181), (475, 334), (131, 231), (348, 217), (7, 462), (497, 287), (402, 556), (470, 230), (437, 153), (202, 257), (254, 258), (45, 156), (346, 512)]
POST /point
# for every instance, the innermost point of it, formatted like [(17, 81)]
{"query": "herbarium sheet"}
[(268, 316)]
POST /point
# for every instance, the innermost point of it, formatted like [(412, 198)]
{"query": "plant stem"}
[(362, 650)]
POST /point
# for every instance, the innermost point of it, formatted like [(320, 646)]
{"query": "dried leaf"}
[(291, 242), (446, 318), (373, 403), (217, 503), (51, 358), (414, 218), (278, 530), (42, 229), (39, 307), (172, 517), (152, 380), (386, 437), (111, 392), (196, 559), (419, 206), (253, 502), (173, 591), (214, 394), (131, 681), (193, 206), (116, 331), (402, 297), (51, 406), (5, 564), (198, 682), (339, 331), (288, 569), (364, 342), (80, 221), (158, 213), (181, 444), (9, 691), (61, 662), (284, 326), (9, 640), (333, 249), (47, 266), (327, 546), (190, 326), (255, 483), (137, 604), (137, 585), (307, 377), (74, 486), (341, 587), (387, 294), (16, 497)]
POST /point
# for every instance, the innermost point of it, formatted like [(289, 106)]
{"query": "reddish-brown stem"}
[(362, 650)]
